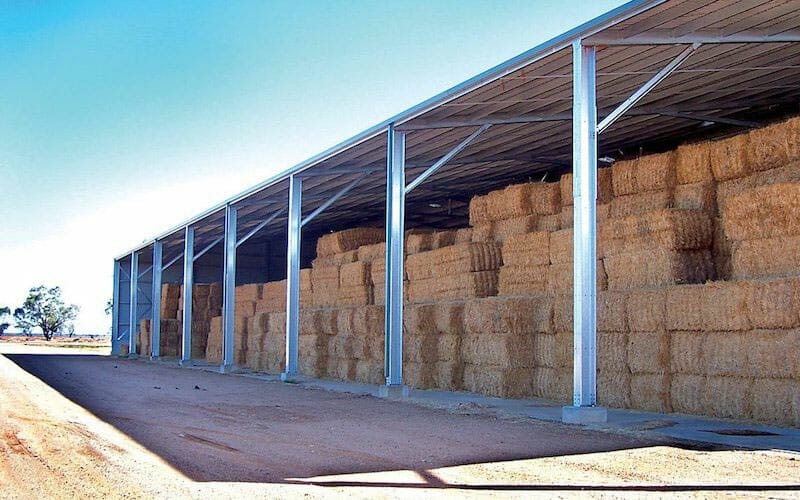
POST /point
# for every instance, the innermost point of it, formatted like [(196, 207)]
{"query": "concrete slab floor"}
[(667, 426)]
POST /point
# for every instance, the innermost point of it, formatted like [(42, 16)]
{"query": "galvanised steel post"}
[(133, 310), (115, 344), (188, 284), (293, 275), (229, 290), (584, 151), (155, 317), (395, 221)]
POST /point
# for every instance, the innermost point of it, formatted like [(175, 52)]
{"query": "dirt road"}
[(93, 426)]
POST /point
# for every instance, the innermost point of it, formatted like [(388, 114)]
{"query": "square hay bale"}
[(563, 354), (559, 277), (497, 381), (503, 229), (698, 196), (651, 392), (456, 286), (770, 147), (522, 280), (420, 348), (274, 291), (344, 369), (655, 172), (454, 260), (612, 352), (763, 212), (359, 295), (463, 235), (525, 315), (772, 400), (725, 306), (657, 268), (721, 249), (688, 393), (552, 384), (369, 372), (685, 308), (545, 198), (513, 201), (633, 204), (250, 292), (693, 163), (448, 348), (561, 246), (773, 303), (726, 354), (369, 253), (687, 354), (605, 187), (769, 257), (348, 240), (646, 310), (418, 242), (623, 177), (480, 317), (532, 249), (340, 346), (482, 233), (728, 397), (418, 320), (614, 389), (567, 217), (550, 222), (313, 366), (418, 375), (611, 316), (562, 312), (448, 375), (245, 308), (448, 318), (773, 354), (729, 158), (502, 350), (441, 239), (648, 352), (544, 350)]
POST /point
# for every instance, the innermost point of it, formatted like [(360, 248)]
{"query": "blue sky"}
[(120, 119)]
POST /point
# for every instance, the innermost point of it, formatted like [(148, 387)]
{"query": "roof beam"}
[(491, 120), (259, 227), (714, 119), (704, 37), (337, 171)]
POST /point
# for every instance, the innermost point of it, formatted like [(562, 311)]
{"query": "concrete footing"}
[(393, 391), (227, 368), (584, 415), (185, 362), (292, 378), (133, 356)]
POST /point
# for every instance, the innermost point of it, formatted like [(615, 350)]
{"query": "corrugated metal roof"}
[(722, 81)]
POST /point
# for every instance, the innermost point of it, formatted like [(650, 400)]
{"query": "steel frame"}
[(155, 317), (395, 222), (133, 310), (229, 290), (259, 227), (293, 276), (115, 305), (188, 284)]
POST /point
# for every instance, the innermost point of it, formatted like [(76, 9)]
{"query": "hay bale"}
[(773, 303), (348, 240), (482, 233), (480, 317), (456, 286), (651, 392), (369, 372), (567, 217), (448, 348), (769, 257), (728, 397), (335, 259), (359, 295), (550, 222), (448, 318), (763, 212), (685, 308), (545, 198), (614, 389), (418, 242), (325, 285), (369, 253), (772, 354), (687, 355), (633, 204), (729, 158), (657, 268), (354, 274), (497, 381), (605, 187), (250, 292), (725, 354), (612, 352), (648, 352), (515, 201), (522, 280), (561, 246), (687, 393), (448, 375), (463, 235), (725, 306), (562, 313), (420, 348), (454, 260), (441, 239), (721, 250), (772, 400), (559, 277), (503, 229), (418, 375), (770, 147), (655, 172), (698, 196), (646, 310), (611, 315), (532, 249), (693, 163), (552, 384), (623, 177)]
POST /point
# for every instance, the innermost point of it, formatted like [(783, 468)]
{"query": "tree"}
[(4, 312), (44, 308)]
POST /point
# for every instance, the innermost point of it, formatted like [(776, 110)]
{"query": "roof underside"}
[(720, 89)]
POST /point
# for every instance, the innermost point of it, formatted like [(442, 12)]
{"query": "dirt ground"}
[(75, 424)]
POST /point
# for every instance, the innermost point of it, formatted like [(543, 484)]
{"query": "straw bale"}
[(418, 320), (420, 348), (369, 372), (325, 285), (497, 381), (562, 312), (532, 249), (646, 310), (523, 315), (693, 163), (503, 229), (773, 303), (685, 307), (544, 350), (687, 355), (456, 286), (725, 306), (448, 348), (418, 242), (344, 369), (328, 320), (623, 177), (545, 198), (454, 260), (274, 291), (611, 316), (369, 253), (347, 240), (773, 354), (448, 318), (772, 400), (614, 389), (651, 392), (767, 257), (559, 277), (561, 246), (463, 235), (482, 233), (550, 222), (655, 172), (769, 147), (448, 375), (419, 375), (513, 201), (213, 352), (729, 158), (612, 352), (565, 185), (552, 384), (249, 292), (648, 352), (258, 324), (354, 274), (687, 393), (340, 346), (605, 187), (245, 308), (700, 196), (656, 268), (721, 250), (567, 217), (378, 271), (522, 280), (563, 353), (440, 239), (728, 397), (480, 317), (632, 204), (763, 212), (313, 366), (368, 321), (725, 354)]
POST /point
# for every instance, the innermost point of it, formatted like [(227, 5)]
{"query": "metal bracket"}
[(147, 270), (173, 261), (207, 248), (259, 227), (333, 199)]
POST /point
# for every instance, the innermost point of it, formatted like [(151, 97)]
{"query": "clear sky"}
[(120, 119)]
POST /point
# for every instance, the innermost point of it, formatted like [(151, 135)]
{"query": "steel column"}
[(115, 311), (395, 221), (584, 152), (133, 310), (293, 275), (229, 290), (188, 284), (155, 317)]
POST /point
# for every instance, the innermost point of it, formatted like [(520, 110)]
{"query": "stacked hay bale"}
[(517, 209), (206, 304), (432, 345)]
